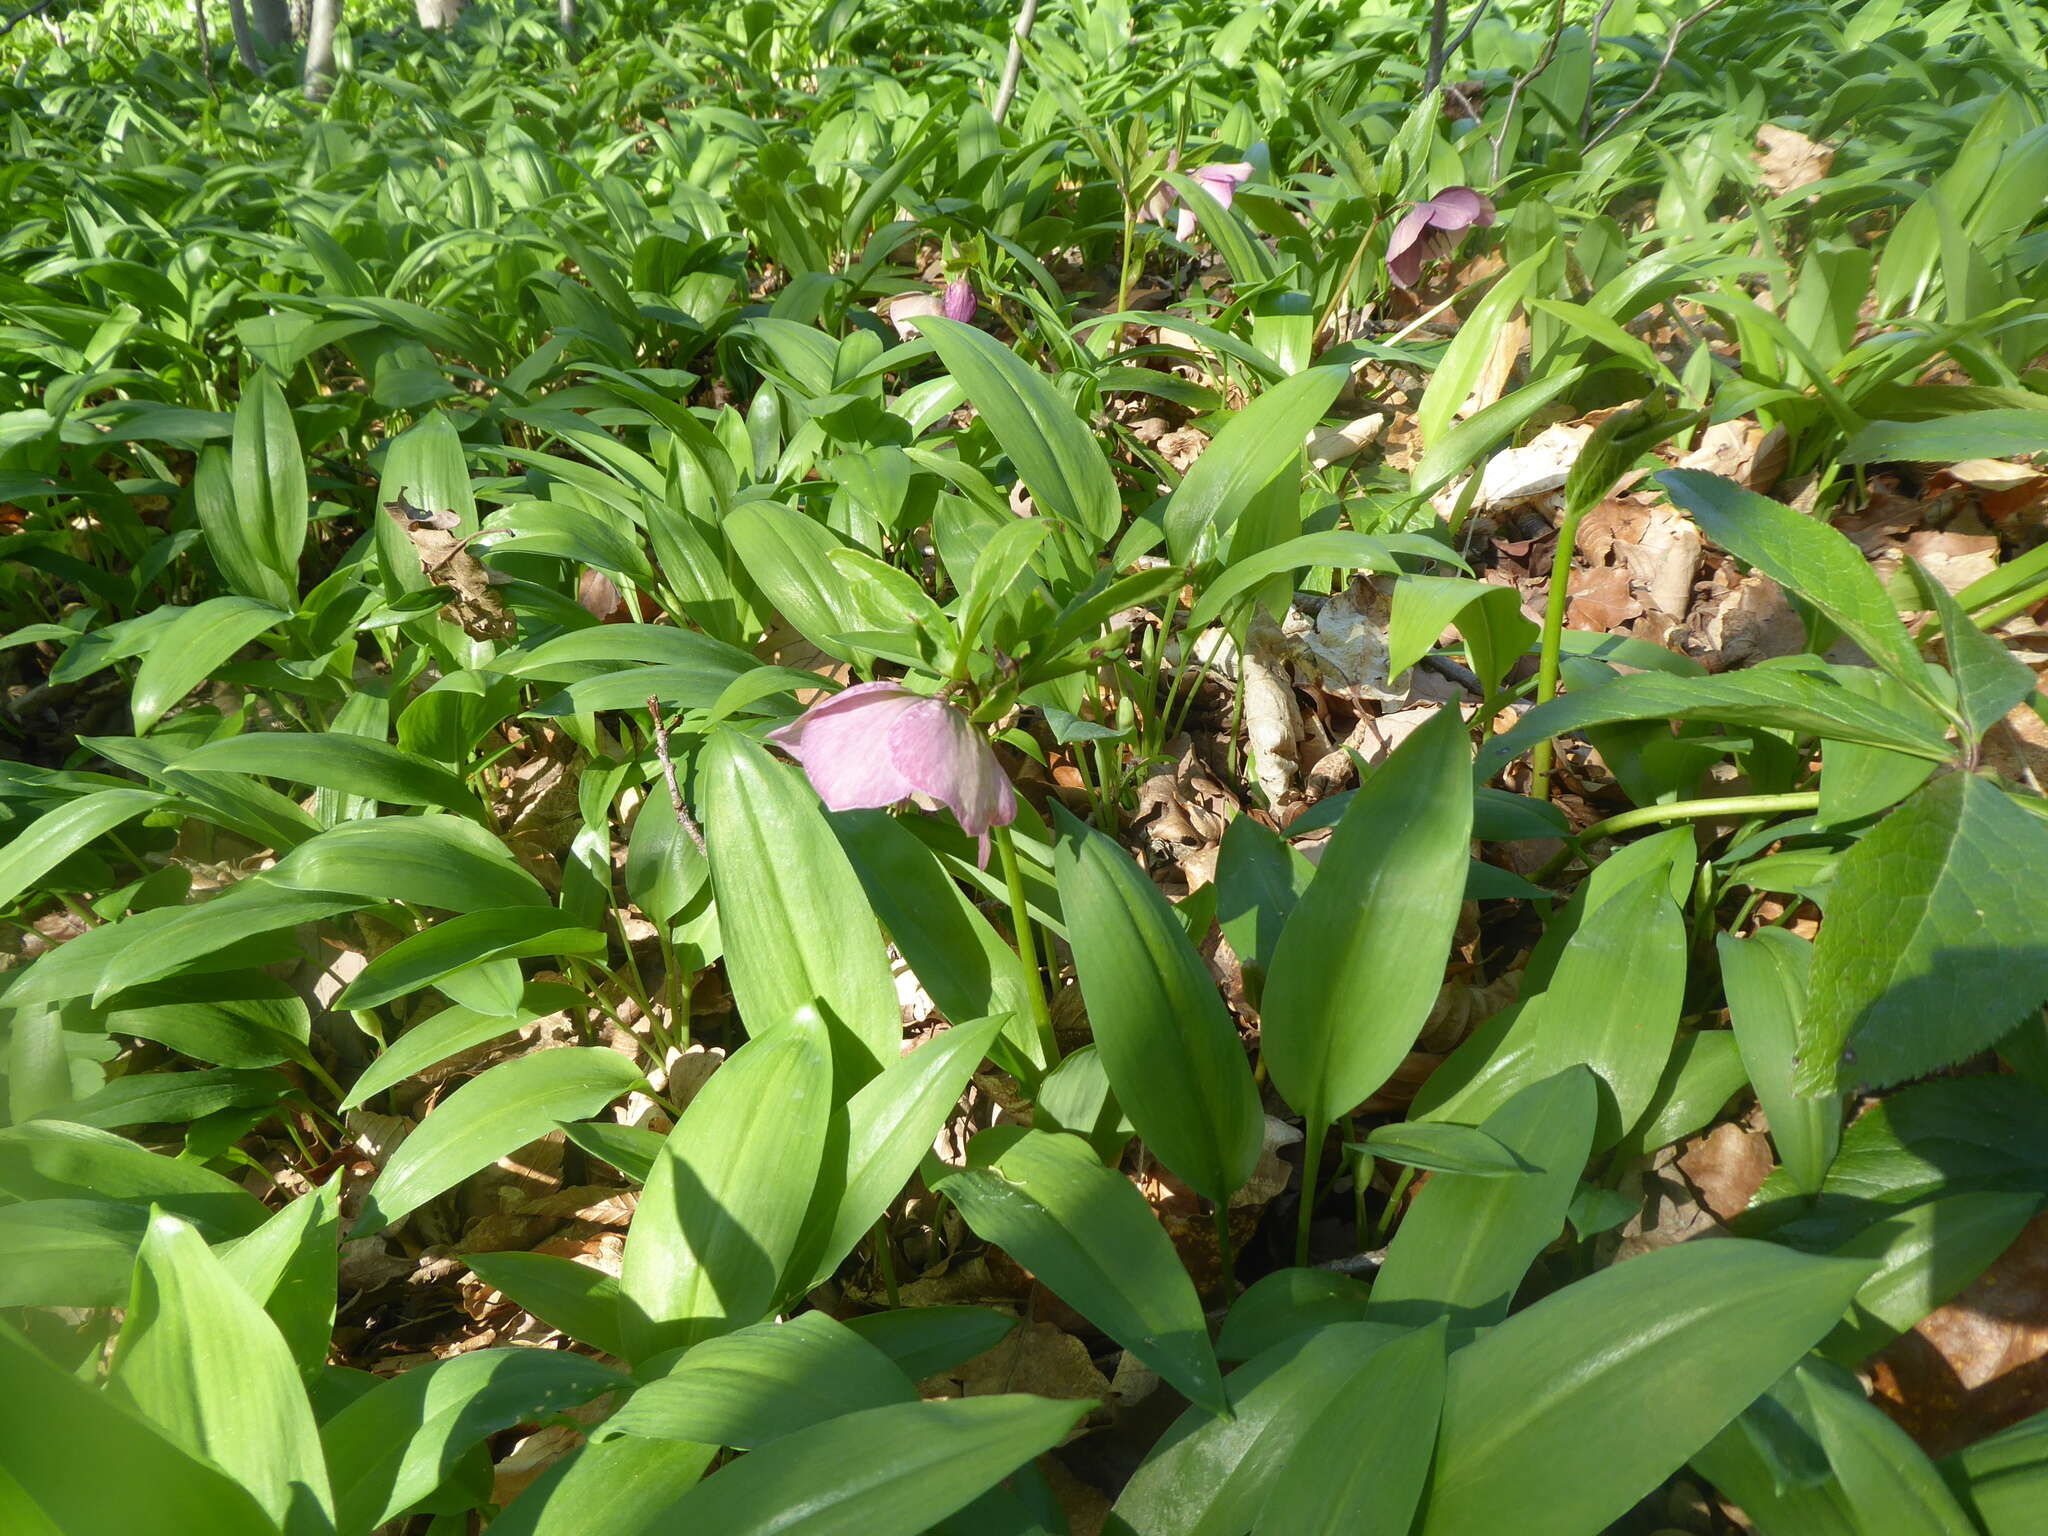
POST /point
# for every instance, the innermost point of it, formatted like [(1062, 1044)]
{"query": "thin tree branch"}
[(1013, 66), (1543, 61), (1663, 64), (1439, 23), (17, 20), (245, 42), (668, 772), (1593, 63)]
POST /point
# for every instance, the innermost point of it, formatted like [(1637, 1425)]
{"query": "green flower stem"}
[(1681, 810), (1027, 945), (1311, 1155), (1553, 635)]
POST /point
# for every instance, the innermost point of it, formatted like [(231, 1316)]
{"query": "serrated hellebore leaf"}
[(1090, 1237), (497, 1112), (1933, 943), (1361, 959), (1165, 1039)]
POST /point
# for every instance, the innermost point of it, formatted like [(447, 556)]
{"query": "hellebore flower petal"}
[(1430, 229), (959, 303), (937, 750), (840, 742), (1220, 182), (1185, 226), (906, 309)]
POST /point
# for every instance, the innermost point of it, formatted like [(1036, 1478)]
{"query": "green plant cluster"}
[(531, 414)]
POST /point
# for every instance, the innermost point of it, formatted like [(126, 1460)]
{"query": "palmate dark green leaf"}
[(797, 927), (61, 1457), (198, 1357), (494, 1113), (1562, 1417), (395, 1444), (1056, 456), (1361, 1463), (1361, 959), (756, 1385), (1090, 1237), (722, 1210), (1164, 1036), (1773, 697), (1804, 555), (890, 1471), (1933, 944)]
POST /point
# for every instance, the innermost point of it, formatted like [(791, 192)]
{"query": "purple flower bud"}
[(1220, 182), (1430, 230), (879, 744), (959, 302)]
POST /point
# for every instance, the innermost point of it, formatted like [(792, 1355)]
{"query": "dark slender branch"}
[(668, 772), (1663, 64), (1471, 25), (1543, 61), (205, 44), (1593, 63), (1439, 22), (17, 20)]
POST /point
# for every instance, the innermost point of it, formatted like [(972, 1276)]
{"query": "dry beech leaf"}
[(1788, 160)]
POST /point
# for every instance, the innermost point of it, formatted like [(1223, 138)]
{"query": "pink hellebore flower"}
[(877, 744), (959, 301), (1429, 230), (1220, 182)]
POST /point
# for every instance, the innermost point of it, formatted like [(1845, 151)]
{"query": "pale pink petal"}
[(840, 743), (1459, 208), (1220, 181), (959, 302), (940, 753), (1404, 246), (1186, 224)]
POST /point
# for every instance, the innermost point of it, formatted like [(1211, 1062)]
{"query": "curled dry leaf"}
[(1663, 560), (1327, 446), (1787, 160), (1272, 720), (447, 562)]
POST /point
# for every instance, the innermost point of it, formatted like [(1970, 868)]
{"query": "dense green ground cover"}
[(425, 513)]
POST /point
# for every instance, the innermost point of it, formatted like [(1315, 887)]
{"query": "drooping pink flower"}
[(1220, 181), (878, 744), (959, 303), (1430, 230), (1159, 206)]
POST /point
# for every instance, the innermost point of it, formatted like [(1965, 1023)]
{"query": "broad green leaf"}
[(798, 930), (1254, 447), (190, 648), (432, 860), (174, 1098), (622, 1487), (1090, 1237), (1259, 881), (468, 939), (1932, 945), (352, 764), (1466, 443), (1467, 1241), (247, 1019), (1450, 384), (1276, 1307), (211, 933), (52, 1160), (789, 556), (1361, 1463), (497, 1112), (1888, 1481), (1775, 698), (1056, 456), (627, 1148), (760, 1383), (579, 1299), (1925, 1255), (1993, 434), (454, 1029), (1210, 1475), (1765, 977), (1163, 1034), (1489, 617), (720, 1217), (891, 1471), (1705, 1071), (890, 1125), (1806, 556), (1341, 548), (1989, 678), (1440, 1146), (54, 836), (2002, 1481), (922, 1341), (1375, 923), (424, 465), (198, 1357), (1557, 1421), (287, 1266), (69, 1253), (395, 1444), (85, 1463)]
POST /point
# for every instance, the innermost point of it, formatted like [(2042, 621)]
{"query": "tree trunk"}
[(245, 43), (565, 17), (438, 15), (302, 20), (317, 78), (273, 20)]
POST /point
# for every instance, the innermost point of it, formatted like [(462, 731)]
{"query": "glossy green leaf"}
[(432, 860), (1925, 1255), (1557, 1421), (1361, 1463), (452, 1030), (797, 927), (2002, 1481), (1765, 976), (247, 1019), (1443, 1147), (1376, 923), (627, 1148), (497, 1112), (1467, 1241), (1341, 548), (1991, 434), (190, 648), (1254, 447), (1089, 1236), (353, 764), (54, 836), (1489, 618), (579, 1299), (922, 1341), (1932, 945), (468, 939), (198, 1357), (622, 1487), (69, 1253), (1056, 456), (1457, 371), (1164, 1036), (287, 1266), (395, 1444), (52, 1160), (1259, 882), (1276, 1307), (720, 1217), (1989, 678), (1889, 1483)]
